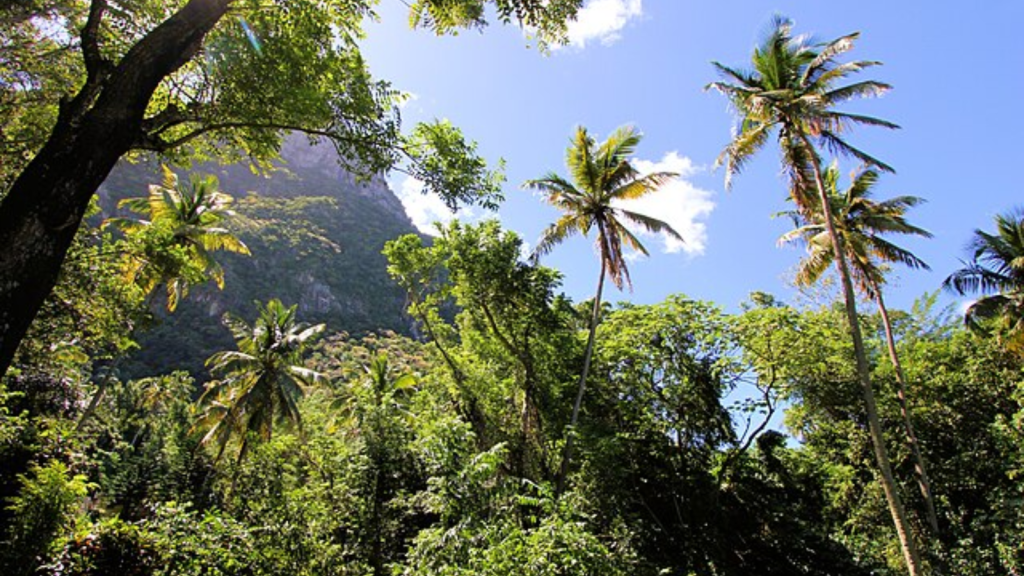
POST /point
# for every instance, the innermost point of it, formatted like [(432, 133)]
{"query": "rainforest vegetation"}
[(473, 419)]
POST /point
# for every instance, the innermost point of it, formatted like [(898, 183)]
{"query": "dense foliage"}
[(396, 456), (355, 450)]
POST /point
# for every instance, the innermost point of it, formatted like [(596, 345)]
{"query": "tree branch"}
[(151, 141), (94, 62), (766, 391), (97, 67)]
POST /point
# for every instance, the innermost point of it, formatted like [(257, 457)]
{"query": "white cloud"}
[(679, 203), (425, 209), (602, 20)]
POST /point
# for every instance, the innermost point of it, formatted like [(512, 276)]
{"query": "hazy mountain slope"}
[(315, 234)]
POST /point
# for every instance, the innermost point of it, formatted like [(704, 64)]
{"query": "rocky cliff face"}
[(315, 233)]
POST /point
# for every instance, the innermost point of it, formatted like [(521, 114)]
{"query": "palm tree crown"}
[(185, 224), (996, 266), (602, 176), (793, 88), (263, 380), (860, 221)]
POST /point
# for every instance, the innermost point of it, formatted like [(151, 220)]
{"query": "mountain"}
[(316, 235)]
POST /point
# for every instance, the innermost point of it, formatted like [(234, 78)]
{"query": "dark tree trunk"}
[(43, 209)]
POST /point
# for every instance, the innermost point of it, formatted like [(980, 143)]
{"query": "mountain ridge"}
[(316, 233)]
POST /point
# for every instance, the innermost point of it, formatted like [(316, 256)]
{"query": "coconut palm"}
[(261, 382), (602, 178), (792, 91), (185, 223), (381, 390), (861, 221), (374, 403), (996, 268)]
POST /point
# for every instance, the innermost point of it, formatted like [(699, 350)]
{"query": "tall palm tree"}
[(185, 223), (792, 91), (261, 382), (860, 222), (602, 177), (374, 402), (996, 268)]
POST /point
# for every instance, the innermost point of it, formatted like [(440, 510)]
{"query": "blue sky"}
[(957, 77)]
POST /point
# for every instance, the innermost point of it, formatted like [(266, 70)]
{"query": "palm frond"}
[(797, 162), (836, 71), (642, 186), (741, 149), (888, 252), (843, 120), (826, 55), (579, 157), (619, 146), (837, 145), (651, 224), (556, 233), (865, 89), (803, 233), (974, 278), (743, 77), (979, 315), (814, 265), (307, 376)]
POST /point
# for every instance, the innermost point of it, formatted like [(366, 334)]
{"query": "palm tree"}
[(374, 402), (261, 382), (602, 176), (184, 226), (792, 90), (996, 268), (860, 222)]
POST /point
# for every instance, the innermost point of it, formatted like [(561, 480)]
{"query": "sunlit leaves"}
[(448, 166)]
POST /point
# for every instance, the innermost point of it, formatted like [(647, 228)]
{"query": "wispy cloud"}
[(425, 209), (678, 203), (602, 21)]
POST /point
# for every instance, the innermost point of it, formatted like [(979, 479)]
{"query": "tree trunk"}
[(44, 207), (376, 546), (901, 393), (101, 389), (896, 509), (567, 453)]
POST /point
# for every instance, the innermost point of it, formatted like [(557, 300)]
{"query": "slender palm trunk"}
[(901, 393), (377, 546), (567, 453), (896, 509), (101, 389)]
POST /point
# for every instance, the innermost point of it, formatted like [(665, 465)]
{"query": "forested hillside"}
[(315, 235)]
